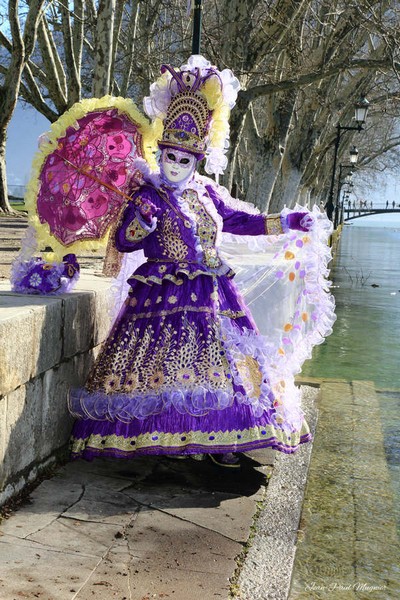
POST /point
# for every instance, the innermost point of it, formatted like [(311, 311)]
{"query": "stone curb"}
[(268, 565)]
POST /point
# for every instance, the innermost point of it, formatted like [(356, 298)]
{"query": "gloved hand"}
[(301, 221), (147, 210)]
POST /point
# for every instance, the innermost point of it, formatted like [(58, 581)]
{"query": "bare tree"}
[(23, 41), (302, 64)]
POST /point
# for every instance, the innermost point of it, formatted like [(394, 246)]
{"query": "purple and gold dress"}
[(184, 369)]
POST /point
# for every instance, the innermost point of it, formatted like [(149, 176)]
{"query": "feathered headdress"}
[(194, 103)]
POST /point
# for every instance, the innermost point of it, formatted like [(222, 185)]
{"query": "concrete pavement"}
[(141, 529)]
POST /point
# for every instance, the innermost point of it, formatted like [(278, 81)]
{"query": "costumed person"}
[(184, 370)]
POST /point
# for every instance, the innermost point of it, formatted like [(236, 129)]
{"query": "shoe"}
[(177, 456), (228, 460), (198, 457)]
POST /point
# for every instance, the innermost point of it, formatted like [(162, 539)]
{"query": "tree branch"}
[(54, 78), (74, 87), (312, 77), (32, 94)]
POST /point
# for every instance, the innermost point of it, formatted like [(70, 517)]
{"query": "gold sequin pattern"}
[(172, 311), (181, 353), (170, 239), (170, 277), (232, 314), (206, 228), (273, 225), (249, 371)]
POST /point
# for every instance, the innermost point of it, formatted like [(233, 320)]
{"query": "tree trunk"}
[(4, 203), (262, 180), (22, 47), (104, 48), (237, 123), (286, 189), (130, 48)]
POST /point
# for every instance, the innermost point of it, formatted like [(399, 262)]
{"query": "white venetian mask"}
[(177, 166)]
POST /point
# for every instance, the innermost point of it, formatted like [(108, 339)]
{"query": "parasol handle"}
[(86, 172)]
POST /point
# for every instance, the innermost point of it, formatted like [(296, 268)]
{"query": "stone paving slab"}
[(46, 503), (226, 514), (86, 537), (31, 571), (138, 529), (194, 558)]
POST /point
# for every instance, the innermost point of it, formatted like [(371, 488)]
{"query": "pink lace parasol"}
[(84, 182)]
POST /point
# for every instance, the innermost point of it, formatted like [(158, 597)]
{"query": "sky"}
[(23, 133), (27, 125)]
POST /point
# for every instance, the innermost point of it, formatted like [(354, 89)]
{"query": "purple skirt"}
[(184, 371)]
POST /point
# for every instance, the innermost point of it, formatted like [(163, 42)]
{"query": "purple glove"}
[(301, 221), (147, 210)]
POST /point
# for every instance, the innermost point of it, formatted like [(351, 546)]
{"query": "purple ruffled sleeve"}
[(237, 221)]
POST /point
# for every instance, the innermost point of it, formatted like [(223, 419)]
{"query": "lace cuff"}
[(138, 229), (273, 224)]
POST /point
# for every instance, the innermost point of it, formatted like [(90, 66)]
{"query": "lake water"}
[(365, 343)]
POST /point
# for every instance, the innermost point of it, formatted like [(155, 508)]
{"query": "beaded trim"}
[(267, 435), (233, 314), (149, 280), (172, 311)]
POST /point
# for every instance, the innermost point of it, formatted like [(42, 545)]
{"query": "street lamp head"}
[(354, 155), (348, 178), (361, 110)]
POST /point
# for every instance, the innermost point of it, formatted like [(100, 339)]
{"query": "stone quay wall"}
[(47, 344)]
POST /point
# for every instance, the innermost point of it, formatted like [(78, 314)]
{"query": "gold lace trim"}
[(173, 278), (232, 314), (249, 371), (172, 311), (273, 225), (198, 438)]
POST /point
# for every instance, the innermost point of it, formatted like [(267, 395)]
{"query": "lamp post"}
[(353, 155), (346, 198), (361, 110), (197, 14), (347, 189), (347, 186), (338, 219)]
